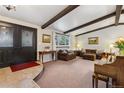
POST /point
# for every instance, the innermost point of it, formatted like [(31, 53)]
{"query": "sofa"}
[(65, 55), (90, 54), (78, 53)]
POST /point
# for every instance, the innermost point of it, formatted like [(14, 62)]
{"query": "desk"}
[(114, 70), (108, 70), (53, 54)]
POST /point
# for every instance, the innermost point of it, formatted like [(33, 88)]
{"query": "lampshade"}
[(78, 45)]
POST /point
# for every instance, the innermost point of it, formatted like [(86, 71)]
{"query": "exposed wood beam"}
[(121, 24), (94, 30), (118, 14), (93, 22), (59, 15)]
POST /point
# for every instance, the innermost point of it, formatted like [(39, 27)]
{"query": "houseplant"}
[(120, 44)]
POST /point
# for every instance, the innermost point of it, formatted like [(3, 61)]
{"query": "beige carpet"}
[(76, 73)]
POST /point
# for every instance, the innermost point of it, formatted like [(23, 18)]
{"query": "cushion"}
[(70, 53), (91, 51), (60, 51), (87, 54), (64, 51)]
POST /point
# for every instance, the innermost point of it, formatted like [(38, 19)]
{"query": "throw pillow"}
[(64, 51)]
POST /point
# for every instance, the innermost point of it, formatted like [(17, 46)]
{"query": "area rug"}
[(23, 66), (75, 73)]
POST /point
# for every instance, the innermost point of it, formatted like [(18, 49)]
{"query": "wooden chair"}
[(97, 77)]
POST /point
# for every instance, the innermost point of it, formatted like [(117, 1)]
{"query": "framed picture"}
[(46, 38), (93, 40)]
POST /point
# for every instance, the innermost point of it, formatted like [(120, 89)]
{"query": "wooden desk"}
[(114, 70), (53, 54), (108, 70)]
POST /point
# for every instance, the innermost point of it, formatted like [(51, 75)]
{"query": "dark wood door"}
[(28, 43), (18, 44), (6, 43)]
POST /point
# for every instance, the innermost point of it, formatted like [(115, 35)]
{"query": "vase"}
[(122, 52)]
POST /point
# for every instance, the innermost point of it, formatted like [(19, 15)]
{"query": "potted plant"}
[(120, 44)]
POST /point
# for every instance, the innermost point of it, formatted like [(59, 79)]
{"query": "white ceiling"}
[(40, 14), (36, 14), (121, 18), (81, 15), (95, 26)]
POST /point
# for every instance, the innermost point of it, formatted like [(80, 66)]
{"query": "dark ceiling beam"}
[(118, 13), (59, 15), (93, 22), (121, 24), (94, 30)]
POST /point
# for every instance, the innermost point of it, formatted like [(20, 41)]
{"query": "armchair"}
[(66, 55)]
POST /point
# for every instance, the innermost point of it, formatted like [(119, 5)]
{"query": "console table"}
[(53, 54)]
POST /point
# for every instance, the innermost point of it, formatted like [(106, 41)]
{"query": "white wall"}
[(106, 37), (73, 42)]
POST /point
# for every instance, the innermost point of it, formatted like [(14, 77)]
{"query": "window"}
[(27, 38), (6, 36)]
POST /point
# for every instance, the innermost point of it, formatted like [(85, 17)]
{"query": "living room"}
[(74, 46)]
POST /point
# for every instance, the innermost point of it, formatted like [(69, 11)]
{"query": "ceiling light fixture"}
[(10, 7)]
